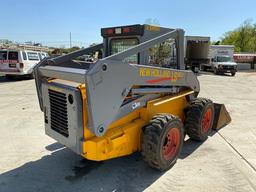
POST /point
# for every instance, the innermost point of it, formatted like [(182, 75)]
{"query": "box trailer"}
[(244, 57), (196, 52)]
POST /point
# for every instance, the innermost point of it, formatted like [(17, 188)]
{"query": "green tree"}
[(243, 37)]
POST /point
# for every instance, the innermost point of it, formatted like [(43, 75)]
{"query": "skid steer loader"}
[(137, 97)]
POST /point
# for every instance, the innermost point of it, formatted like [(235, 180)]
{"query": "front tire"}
[(233, 73), (215, 71), (199, 119), (162, 141)]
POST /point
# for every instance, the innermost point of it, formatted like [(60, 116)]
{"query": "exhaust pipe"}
[(221, 116)]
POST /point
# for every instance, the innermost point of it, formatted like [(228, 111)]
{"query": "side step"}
[(221, 116)]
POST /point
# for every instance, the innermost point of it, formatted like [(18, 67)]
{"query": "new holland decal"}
[(161, 75)]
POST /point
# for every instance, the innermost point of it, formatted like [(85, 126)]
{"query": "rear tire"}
[(162, 141), (10, 77), (31, 76), (199, 119), (215, 71)]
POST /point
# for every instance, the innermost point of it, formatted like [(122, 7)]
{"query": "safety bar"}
[(70, 74)]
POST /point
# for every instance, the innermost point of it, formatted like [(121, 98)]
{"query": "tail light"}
[(21, 65), (110, 31), (126, 30)]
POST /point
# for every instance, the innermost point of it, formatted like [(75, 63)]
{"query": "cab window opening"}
[(163, 54), (121, 44)]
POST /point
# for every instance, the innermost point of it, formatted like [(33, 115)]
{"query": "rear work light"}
[(118, 30)]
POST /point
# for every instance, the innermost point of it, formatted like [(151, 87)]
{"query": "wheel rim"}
[(206, 121), (171, 144)]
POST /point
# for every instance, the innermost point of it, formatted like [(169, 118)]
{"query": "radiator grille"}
[(58, 112), (228, 67)]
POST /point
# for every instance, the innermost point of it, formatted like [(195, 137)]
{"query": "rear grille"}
[(58, 111)]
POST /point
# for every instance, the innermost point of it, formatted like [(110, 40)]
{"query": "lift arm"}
[(110, 80)]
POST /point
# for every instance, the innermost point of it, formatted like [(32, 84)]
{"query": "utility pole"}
[(70, 41)]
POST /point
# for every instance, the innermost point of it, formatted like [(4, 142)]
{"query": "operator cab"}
[(118, 39)]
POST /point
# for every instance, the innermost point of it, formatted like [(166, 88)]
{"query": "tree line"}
[(243, 37)]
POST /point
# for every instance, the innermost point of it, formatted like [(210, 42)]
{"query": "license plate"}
[(228, 71), (12, 65)]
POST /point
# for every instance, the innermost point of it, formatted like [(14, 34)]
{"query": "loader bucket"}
[(221, 116)]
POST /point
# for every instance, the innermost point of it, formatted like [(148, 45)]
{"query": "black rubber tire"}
[(194, 116), (153, 138), (233, 73), (10, 77), (215, 71), (31, 76)]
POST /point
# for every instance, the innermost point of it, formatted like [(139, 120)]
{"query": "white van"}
[(221, 59), (19, 62)]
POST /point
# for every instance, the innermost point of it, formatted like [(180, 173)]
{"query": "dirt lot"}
[(31, 161)]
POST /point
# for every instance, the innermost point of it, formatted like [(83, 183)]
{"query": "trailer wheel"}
[(162, 141), (202, 68), (199, 119)]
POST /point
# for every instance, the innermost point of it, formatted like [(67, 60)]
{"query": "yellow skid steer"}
[(137, 96)]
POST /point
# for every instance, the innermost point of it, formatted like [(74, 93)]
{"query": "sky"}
[(50, 22)]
